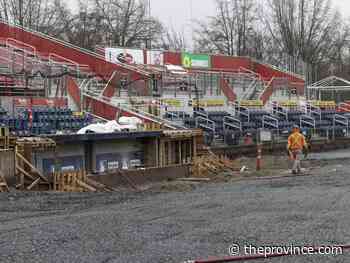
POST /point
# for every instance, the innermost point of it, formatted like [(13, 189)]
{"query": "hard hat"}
[(296, 127)]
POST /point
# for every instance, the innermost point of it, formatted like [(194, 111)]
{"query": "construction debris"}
[(211, 165)]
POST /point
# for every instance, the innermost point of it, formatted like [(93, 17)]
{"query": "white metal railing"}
[(278, 110), (270, 122), (250, 90), (236, 109), (69, 45), (201, 114), (266, 86), (280, 69), (342, 121), (313, 110), (208, 124), (308, 121), (232, 123)]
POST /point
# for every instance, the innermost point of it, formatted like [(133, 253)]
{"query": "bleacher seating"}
[(252, 119), (44, 120)]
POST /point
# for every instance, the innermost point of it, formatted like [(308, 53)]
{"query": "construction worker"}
[(296, 147)]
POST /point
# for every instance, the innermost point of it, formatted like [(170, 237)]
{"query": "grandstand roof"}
[(331, 83)]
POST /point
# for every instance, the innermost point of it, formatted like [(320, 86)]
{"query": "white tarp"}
[(124, 55), (130, 121), (155, 57), (125, 124), (176, 69)]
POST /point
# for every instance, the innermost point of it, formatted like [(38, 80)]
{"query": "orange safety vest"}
[(296, 141)]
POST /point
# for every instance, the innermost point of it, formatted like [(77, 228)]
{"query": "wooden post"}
[(156, 144), (180, 151), (194, 147)]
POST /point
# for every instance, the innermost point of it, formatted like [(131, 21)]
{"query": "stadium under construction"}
[(66, 110)]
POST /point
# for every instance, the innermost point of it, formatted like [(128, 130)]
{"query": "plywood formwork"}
[(77, 181), (178, 147), (27, 175)]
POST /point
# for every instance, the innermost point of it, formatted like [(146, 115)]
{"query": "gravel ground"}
[(160, 227)]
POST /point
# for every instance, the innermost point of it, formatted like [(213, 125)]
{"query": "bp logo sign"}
[(195, 61)]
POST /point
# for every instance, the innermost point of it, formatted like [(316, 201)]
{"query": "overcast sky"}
[(180, 13)]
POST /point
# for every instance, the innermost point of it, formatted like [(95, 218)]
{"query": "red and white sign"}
[(125, 56)]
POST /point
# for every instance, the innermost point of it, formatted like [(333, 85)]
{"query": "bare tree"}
[(228, 32), (173, 40), (127, 22), (307, 29), (41, 15), (85, 29)]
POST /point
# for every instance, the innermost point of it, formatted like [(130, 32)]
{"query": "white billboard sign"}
[(155, 57), (124, 55)]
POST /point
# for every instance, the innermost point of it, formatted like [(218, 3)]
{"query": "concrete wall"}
[(7, 163), (97, 156), (151, 175), (117, 154), (71, 154)]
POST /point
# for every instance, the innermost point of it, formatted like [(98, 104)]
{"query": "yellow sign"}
[(78, 114), (324, 104), (172, 102), (288, 103), (209, 103), (251, 103)]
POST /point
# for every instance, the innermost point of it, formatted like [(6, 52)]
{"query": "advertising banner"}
[(172, 102), (207, 103), (196, 60), (124, 55), (155, 57)]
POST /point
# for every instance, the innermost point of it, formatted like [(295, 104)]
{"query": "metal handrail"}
[(21, 43), (267, 119), (124, 65), (202, 114), (64, 43), (344, 121), (311, 109), (267, 86), (208, 122), (250, 90), (340, 120), (36, 60), (236, 107), (280, 112), (308, 120), (230, 122), (279, 69)]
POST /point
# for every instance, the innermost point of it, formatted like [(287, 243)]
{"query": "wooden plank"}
[(86, 186), (32, 167), (194, 179), (24, 173), (36, 182)]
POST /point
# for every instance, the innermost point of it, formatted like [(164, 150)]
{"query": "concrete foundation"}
[(142, 177)]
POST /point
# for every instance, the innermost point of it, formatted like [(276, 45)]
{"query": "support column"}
[(157, 145), (194, 146), (180, 152)]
